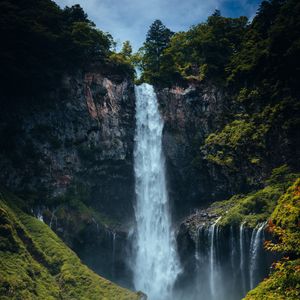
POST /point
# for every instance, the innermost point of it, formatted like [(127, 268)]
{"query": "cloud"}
[(130, 19)]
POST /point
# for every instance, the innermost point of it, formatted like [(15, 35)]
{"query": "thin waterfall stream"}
[(156, 265)]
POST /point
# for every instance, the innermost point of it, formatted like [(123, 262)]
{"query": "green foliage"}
[(240, 138), (244, 141), (88, 42), (282, 284), (42, 42), (201, 53), (126, 50), (270, 47), (257, 206), (284, 281), (253, 208), (285, 220), (123, 59), (35, 263)]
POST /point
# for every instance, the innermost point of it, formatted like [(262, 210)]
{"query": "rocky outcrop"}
[(190, 114)]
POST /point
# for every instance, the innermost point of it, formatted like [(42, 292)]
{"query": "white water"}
[(113, 254), (242, 259), (256, 243), (155, 265), (212, 259)]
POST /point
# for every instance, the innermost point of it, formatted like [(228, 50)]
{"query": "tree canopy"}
[(40, 41)]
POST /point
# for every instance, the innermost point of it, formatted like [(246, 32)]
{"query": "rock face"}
[(82, 134), (70, 155), (190, 114)]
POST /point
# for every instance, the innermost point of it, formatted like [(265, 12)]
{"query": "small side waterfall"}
[(255, 247), (213, 230), (113, 254), (155, 264), (230, 261), (242, 258)]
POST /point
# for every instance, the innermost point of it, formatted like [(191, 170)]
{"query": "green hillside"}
[(36, 264)]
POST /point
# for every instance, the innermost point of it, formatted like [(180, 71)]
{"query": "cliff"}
[(69, 153), (215, 148), (190, 114)]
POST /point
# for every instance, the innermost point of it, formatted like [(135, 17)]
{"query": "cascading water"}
[(255, 246), (113, 254), (155, 264), (229, 261), (242, 258), (212, 259)]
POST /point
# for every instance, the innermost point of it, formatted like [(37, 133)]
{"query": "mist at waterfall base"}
[(222, 263), (227, 262)]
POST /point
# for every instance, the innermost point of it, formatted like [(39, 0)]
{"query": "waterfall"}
[(212, 258), (256, 244), (155, 264), (232, 247), (113, 254), (242, 259), (229, 261)]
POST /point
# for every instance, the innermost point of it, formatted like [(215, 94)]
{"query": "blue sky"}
[(130, 19)]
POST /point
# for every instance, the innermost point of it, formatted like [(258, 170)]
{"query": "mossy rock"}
[(258, 206)]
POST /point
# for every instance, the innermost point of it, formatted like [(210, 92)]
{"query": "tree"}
[(75, 13), (126, 50), (157, 40)]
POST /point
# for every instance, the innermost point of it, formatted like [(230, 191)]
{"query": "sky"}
[(131, 19)]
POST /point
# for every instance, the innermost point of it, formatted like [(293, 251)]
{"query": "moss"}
[(257, 206), (72, 206), (252, 208), (36, 264)]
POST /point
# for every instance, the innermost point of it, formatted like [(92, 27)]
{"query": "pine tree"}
[(157, 40), (126, 50)]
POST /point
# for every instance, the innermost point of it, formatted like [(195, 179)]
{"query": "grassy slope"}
[(36, 264)]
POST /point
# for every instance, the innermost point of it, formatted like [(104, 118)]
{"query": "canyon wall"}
[(70, 155)]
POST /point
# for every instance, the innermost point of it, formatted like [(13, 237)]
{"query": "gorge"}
[(178, 184)]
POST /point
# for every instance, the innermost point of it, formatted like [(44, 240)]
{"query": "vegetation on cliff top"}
[(228, 50), (41, 42), (36, 264)]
